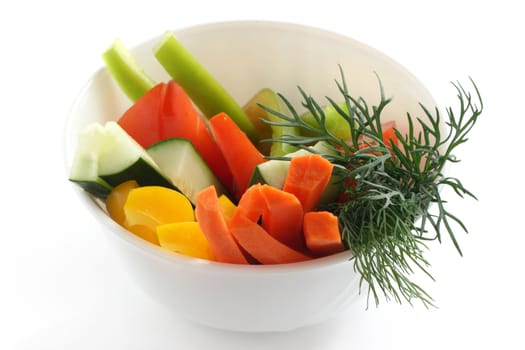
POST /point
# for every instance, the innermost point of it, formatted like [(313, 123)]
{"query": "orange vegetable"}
[(213, 225), (321, 232), (241, 155), (251, 204), (389, 135), (283, 217), (279, 213), (260, 244), (307, 179)]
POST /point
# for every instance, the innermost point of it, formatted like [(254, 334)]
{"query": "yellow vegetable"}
[(115, 207), (149, 206), (227, 207), (184, 238), (156, 205), (145, 233), (116, 199)]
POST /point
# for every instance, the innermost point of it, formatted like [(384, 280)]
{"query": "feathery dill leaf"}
[(393, 200)]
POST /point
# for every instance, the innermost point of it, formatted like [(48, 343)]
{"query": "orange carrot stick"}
[(252, 203), (240, 153), (307, 179), (213, 225), (283, 217), (321, 232), (261, 245)]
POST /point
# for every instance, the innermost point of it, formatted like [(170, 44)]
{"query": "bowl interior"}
[(246, 56)]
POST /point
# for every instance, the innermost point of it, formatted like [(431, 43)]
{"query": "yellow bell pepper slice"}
[(115, 207), (145, 233), (227, 207), (149, 206), (184, 238), (116, 200)]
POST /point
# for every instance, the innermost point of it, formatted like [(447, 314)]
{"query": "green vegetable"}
[(334, 122), (125, 70), (394, 204), (107, 156), (207, 93), (84, 170), (183, 165), (267, 97)]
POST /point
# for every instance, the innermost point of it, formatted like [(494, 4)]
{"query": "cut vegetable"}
[(257, 114), (117, 199), (389, 134), (141, 120), (151, 206), (213, 225), (167, 112), (321, 232), (84, 169), (201, 86), (126, 72), (107, 156), (241, 155), (182, 164), (260, 244), (144, 232), (307, 179), (227, 207), (251, 204), (273, 172), (283, 217), (185, 238), (334, 123), (279, 213)]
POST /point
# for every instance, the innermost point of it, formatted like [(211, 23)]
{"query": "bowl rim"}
[(159, 253)]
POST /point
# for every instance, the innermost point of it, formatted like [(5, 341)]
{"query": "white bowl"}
[(246, 56)]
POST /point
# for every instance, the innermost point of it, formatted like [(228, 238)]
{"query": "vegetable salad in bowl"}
[(206, 164)]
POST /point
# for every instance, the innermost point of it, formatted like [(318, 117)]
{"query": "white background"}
[(61, 287)]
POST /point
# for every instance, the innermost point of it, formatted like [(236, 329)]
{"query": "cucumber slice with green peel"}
[(107, 156), (257, 115), (179, 160), (273, 172), (84, 170), (257, 109)]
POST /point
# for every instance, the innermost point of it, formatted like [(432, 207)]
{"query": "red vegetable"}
[(321, 232), (307, 179), (241, 155), (389, 135), (213, 225), (141, 120), (166, 112)]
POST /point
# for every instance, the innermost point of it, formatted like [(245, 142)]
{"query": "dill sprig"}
[(393, 203)]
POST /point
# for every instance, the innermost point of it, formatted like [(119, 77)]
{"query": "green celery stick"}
[(205, 91), (124, 69)]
